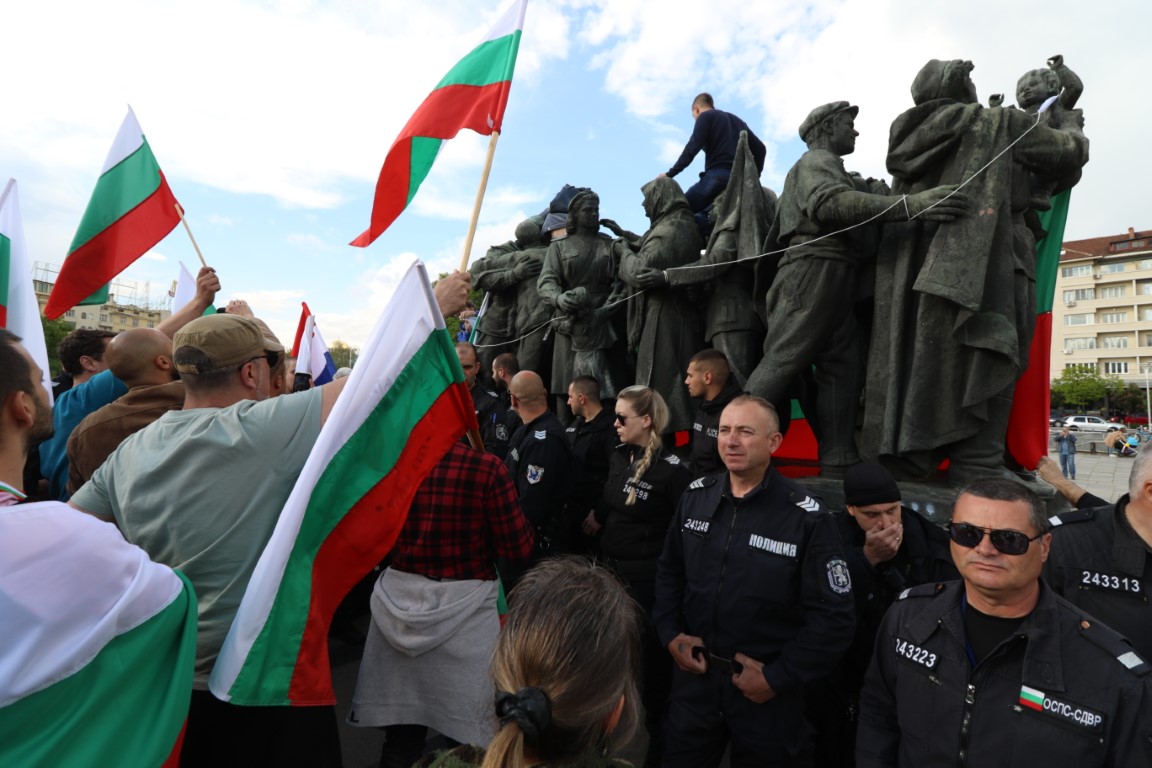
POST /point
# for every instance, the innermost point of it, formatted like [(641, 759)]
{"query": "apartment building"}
[(128, 306), (1102, 312)]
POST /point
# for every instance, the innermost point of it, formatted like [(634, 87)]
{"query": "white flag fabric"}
[(19, 310)]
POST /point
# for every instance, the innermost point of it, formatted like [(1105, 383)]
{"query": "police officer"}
[(490, 412), (753, 600), (889, 548), (710, 379), (1101, 561), (538, 456), (592, 437), (996, 669)]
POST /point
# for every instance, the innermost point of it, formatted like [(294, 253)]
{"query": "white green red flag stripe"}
[(472, 95), (1031, 698), (131, 210), (1028, 422), (403, 406), (99, 644), (19, 310)]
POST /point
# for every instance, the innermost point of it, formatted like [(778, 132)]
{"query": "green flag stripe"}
[(1048, 251), (490, 62), (423, 154), (81, 720), (5, 268), (122, 188), (360, 464)]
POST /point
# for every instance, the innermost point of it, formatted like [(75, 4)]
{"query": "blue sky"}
[(271, 119)]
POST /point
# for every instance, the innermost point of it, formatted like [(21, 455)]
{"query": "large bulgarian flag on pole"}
[(472, 95), (98, 644), (19, 310), (131, 210), (402, 408), (1028, 423)]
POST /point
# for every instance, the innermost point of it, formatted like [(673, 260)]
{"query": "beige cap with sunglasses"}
[(224, 340)]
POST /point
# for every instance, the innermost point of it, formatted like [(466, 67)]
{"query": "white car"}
[(1090, 424)]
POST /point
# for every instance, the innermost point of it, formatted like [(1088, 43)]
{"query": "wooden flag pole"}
[(180, 213), (479, 200)]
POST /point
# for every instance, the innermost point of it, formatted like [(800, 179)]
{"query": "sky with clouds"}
[(271, 118)]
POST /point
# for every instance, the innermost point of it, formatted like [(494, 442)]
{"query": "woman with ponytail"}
[(564, 670), (645, 481)]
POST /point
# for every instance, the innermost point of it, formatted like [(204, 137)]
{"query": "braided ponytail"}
[(646, 402)]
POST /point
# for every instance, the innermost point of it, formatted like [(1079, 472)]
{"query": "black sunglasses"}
[(623, 419), (1007, 542), (273, 359)]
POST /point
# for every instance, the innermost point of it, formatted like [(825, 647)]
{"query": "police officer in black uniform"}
[(1101, 559), (592, 437), (538, 456), (490, 412), (709, 378), (889, 548), (997, 670), (753, 600)]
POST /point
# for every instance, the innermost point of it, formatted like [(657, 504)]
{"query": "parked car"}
[(1090, 424)]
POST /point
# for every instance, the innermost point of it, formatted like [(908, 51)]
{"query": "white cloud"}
[(788, 58), (154, 256), (312, 243), (218, 220), (291, 100)]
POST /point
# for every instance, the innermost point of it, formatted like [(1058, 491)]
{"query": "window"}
[(1080, 342), (1146, 340), (1146, 313), (1114, 367), (151, 324), (1114, 342), (103, 317), (83, 315), (1083, 270), (1083, 319), (1080, 294), (1080, 366), (1144, 264), (1144, 289), (70, 313), (1113, 317), (1112, 291), (135, 322), (1112, 268)]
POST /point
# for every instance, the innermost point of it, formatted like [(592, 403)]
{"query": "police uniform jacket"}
[(634, 535), (1062, 690), (540, 462), (592, 443), (923, 557), (763, 575), (705, 458), (496, 421), (1101, 565)]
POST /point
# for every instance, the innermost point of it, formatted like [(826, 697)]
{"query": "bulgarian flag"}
[(1028, 422), (403, 406), (19, 310), (131, 210), (99, 644), (472, 95)]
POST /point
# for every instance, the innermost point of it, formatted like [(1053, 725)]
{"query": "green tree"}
[(1080, 387), (475, 299), (342, 354), (54, 332)]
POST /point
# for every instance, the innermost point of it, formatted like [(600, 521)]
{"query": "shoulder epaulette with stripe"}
[(702, 482), (672, 459), (1114, 644), (922, 590), (806, 502), (540, 434), (1073, 516)]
